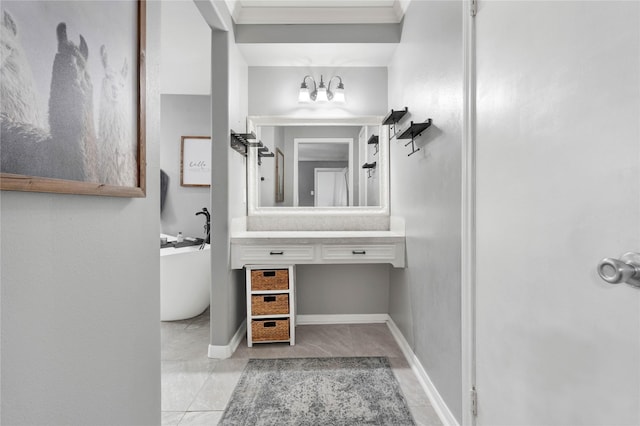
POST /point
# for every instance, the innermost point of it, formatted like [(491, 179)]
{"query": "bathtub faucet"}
[(207, 226)]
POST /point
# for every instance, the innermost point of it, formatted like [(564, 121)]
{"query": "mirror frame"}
[(253, 196)]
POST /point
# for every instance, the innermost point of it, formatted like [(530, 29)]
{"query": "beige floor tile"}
[(217, 390), (201, 418), (374, 340), (184, 344), (181, 382), (171, 418), (425, 415)]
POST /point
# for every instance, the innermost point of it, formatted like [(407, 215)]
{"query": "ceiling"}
[(186, 44)]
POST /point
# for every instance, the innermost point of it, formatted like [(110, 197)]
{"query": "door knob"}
[(623, 270)]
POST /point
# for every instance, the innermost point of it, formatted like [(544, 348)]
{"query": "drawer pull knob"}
[(269, 274), (269, 324), (358, 252), (269, 298), (276, 252)]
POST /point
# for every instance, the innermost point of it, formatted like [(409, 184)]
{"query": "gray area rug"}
[(318, 392)]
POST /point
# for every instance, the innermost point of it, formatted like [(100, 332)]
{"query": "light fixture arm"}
[(314, 93), (320, 92), (330, 93)]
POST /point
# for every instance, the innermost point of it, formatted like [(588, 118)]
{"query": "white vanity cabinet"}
[(316, 247)]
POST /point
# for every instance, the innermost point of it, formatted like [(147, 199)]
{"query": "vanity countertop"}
[(239, 235), (302, 237)]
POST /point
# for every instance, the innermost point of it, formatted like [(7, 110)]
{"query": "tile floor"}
[(196, 389)]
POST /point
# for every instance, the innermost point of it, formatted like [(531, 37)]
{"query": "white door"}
[(330, 187), (558, 189)]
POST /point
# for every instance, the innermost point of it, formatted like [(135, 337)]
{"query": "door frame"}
[(468, 243)]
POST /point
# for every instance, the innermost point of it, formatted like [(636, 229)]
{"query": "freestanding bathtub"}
[(185, 281)]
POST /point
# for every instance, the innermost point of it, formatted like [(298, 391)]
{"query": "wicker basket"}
[(270, 279), (270, 330), (269, 304)]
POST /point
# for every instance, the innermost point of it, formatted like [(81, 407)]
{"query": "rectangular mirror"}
[(318, 167)]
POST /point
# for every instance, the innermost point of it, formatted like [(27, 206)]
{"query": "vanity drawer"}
[(269, 304), (269, 279), (268, 330), (275, 254), (364, 253)]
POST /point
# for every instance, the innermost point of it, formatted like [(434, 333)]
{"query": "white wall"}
[(80, 296), (186, 55), (183, 115), (426, 76), (558, 189), (274, 91)]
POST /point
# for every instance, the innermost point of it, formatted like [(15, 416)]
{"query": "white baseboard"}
[(446, 416), (341, 319), (225, 351)]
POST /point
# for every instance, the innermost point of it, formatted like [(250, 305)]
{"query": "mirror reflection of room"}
[(320, 166)]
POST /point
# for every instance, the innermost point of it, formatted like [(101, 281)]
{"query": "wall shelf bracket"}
[(392, 119), (374, 140), (240, 142), (369, 167), (264, 152), (414, 130)]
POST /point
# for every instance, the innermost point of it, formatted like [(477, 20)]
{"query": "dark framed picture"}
[(195, 161), (72, 97), (279, 176)]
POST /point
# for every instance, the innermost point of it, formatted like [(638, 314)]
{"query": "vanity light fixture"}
[(320, 92)]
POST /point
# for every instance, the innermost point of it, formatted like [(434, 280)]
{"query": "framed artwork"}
[(195, 161), (72, 85), (279, 176)]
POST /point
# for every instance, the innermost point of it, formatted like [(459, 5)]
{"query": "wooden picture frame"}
[(279, 176), (94, 142), (195, 161)]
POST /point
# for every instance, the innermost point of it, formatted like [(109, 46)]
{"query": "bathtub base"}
[(185, 282)]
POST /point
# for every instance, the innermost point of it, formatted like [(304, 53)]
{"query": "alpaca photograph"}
[(69, 90)]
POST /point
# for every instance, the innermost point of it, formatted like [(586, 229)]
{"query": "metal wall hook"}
[(623, 270)]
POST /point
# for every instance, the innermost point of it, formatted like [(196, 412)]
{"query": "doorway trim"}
[(469, 205)]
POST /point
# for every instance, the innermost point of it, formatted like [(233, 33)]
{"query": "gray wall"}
[(229, 111), (183, 115), (426, 75), (342, 289), (80, 296)]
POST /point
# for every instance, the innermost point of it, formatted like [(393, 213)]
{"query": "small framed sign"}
[(195, 161)]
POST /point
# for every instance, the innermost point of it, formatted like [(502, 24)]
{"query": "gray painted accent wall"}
[(183, 115), (426, 75), (228, 194), (81, 296), (342, 289)]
